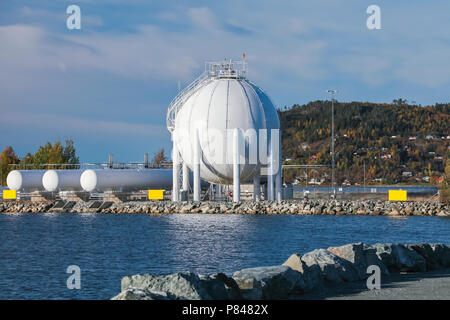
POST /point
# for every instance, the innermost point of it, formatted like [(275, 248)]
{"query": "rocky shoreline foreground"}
[(298, 276), (302, 207)]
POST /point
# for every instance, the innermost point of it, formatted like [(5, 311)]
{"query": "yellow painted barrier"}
[(155, 194), (397, 195), (9, 194)]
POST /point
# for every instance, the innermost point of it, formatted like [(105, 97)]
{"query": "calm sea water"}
[(36, 249)]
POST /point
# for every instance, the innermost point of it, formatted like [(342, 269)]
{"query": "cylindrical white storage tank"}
[(25, 180), (126, 179), (221, 104), (62, 180)]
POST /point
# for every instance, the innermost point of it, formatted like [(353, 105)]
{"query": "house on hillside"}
[(407, 174), (316, 181)]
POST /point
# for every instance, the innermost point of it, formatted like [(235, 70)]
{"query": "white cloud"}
[(290, 44), (203, 17), (81, 127)]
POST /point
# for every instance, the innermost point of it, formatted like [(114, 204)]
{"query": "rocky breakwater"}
[(25, 206), (308, 207), (300, 274)]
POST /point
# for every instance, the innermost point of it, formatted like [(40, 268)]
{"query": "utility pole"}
[(364, 175), (332, 93)]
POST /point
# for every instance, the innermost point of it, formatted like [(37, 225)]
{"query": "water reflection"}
[(36, 249)]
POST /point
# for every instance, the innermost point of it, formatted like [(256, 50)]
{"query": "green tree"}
[(7, 157), (69, 153), (51, 154)]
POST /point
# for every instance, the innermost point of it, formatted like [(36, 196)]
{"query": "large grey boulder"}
[(361, 256), (275, 282), (334, 268), (426, 251), (442, 254), (137, 294), (187, 286), (221, 287), (399, 258), (387, 255), (312, 275)]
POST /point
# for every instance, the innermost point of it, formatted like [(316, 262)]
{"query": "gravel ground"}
[(417, 286)]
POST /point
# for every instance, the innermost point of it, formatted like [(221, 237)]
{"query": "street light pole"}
[(332, 93), (364, 175)]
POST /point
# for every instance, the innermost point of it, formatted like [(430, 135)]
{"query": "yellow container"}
[(9, 194), (397, 195), (155, 194)]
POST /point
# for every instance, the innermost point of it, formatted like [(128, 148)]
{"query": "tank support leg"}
[(196, 167), (185, 177), (257, 188), (270, 170), (175, 174), (236, 168), (278, 177)]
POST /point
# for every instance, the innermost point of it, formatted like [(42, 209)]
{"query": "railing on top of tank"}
[(227, 69), (84, 166)]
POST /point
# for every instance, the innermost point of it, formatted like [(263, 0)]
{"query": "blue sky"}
[(108, 85)]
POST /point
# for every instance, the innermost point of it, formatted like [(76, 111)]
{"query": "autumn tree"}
[(159, 157), (445, 184), (7, 157)]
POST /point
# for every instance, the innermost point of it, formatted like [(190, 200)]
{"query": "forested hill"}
[(392, 139)]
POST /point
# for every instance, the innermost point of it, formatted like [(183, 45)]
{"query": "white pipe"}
[(236, 168), (197, 190), (278, 177), (270, 171), (62, 180), (219, 191), (25, 180), (265, 191), (175, 174), (185, 177), (257, 188), (278, 189), (126, 179)]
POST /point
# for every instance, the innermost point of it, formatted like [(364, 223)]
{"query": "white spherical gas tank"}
[(214, 110)]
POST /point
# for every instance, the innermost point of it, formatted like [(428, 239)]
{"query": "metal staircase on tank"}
[(182, 96)]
